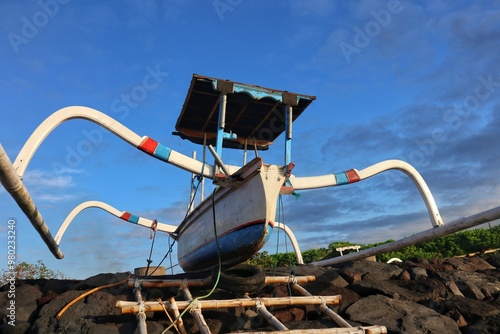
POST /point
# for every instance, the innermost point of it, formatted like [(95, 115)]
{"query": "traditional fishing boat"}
[(235, 220)]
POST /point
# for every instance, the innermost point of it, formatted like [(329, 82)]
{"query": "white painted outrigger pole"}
[(291, 236), (127, 216), (143, 143), (353, 175)]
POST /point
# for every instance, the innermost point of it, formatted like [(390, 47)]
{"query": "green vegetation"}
[(460, 243), (25, 270)]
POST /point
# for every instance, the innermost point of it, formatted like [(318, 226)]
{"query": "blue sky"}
[(417, 81)]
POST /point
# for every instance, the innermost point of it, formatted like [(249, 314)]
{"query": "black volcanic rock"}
[(459, 295)]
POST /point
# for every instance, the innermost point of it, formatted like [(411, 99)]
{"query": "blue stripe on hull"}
[(235, 247)]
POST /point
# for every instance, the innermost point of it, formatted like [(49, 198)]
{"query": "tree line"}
[(457, 244)]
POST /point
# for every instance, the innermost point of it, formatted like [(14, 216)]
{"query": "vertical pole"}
[(191, 195), (245, 152), (141, 315), (221, 125), (196, 312), (202, 197), (288, 135)]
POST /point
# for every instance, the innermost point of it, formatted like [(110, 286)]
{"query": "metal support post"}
[(288, 111), (222, 124), (193, 190)]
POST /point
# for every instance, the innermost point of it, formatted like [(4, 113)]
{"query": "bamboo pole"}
[(352, 330), (140, 314), (289, 279), (133, 307), (325, 309), (200, 282), (169, 317), (196, 312), (200, 320), (177, 315), (165, 283), (271, 319), (13, 184), (430, 234)]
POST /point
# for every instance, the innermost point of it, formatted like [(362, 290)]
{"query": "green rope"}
[(190, 305)]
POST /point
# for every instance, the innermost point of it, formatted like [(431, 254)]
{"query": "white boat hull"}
[(244, 216)]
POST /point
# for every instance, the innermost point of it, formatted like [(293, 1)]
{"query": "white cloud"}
[(52, 198), (51, 188), (38, 178)]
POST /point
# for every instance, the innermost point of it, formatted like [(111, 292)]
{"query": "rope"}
[(168, 314), (281, 219), (277, 239), (195, 300), (169, 252), (61, 312), (154, 226)]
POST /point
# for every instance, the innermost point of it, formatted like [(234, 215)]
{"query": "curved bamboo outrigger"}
[(252, 117), (143, 143), (125, 215), (353, 175)]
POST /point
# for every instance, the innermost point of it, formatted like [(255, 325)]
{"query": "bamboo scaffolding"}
[(130, 307), (133, 307)]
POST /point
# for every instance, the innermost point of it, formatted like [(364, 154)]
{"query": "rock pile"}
[(458, 295)]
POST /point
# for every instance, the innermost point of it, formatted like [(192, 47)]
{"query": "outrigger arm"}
[(11, 174), (353, 175), (144, 143), (125, 215)]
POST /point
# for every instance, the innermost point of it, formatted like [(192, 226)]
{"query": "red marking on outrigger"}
[(126, 215), (290, 166), (148, 145), (352, 176)]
